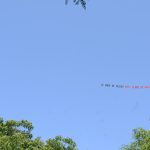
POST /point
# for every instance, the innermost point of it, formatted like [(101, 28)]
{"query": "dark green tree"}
[(141, 140), (16, 135)]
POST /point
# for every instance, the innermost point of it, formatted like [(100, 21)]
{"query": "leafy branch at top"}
[(77, 2)]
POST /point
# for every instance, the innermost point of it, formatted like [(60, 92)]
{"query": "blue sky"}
[(53, 59)]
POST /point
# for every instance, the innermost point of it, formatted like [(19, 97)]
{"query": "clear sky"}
[(53, 59)]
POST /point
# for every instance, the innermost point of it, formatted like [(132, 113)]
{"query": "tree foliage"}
[(141, 140), (16, 135), (77, 2)]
